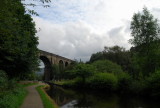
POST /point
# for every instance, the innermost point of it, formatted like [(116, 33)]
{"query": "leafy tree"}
[(115, 54), (114, 49), (96, 56), (145, 33), (106, 66), (83, 71), (118, 55), (18, 44), (145, 29)]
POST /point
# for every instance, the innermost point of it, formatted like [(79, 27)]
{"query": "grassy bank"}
[(12, 93), (47, 101), (12, 98)]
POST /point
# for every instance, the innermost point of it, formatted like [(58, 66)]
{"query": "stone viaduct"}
[(49, 59)]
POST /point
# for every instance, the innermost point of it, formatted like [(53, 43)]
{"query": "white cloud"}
[(78, 28), (74, 39)]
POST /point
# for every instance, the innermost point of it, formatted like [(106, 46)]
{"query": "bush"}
[(138, 86), (154, 83), (13, 98), (83, 71), (76, 83), (3, 80), (107, 66), (124, 82), (105, 81)]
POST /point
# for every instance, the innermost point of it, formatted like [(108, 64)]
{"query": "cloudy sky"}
[(78, 28)]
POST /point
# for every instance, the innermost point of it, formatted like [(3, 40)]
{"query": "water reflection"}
[(67, 98)]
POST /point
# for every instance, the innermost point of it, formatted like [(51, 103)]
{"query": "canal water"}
[(68, 98)]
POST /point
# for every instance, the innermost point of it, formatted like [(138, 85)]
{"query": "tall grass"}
[(11, 94), (12, 98)]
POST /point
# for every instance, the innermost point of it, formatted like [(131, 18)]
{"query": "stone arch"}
[(61, 62), (66, 64), (47, 69)]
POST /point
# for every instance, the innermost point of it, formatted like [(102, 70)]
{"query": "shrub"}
[(138, 86), (3, 80), (83, 71), (107, 66), (124, 82), (105, 81), (13, 98), (76, 83), (154, 83)]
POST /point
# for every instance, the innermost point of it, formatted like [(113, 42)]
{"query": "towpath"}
[(33, 99)]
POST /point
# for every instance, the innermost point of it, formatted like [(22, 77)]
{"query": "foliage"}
[(39, 77), (107, 66), (13, 98), (75, 83), (138, 86), (107, 81), (18, 44), (145, 28), (99, 81), (3, 81), (145, 33), (83, 71), (154, 83), (96, 56), (11, 95), (56, 74), (47, 101), (115, 54), (124, 82), (68, 73), (60, 73), (35, 3)]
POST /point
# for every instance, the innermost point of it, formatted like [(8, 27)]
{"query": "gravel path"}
[(33, 99)]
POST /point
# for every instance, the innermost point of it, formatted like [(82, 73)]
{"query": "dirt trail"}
[(33, 99)]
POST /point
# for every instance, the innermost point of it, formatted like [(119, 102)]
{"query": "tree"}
[(114, 49), (18, 43), (146, 40), (115, 54), (96, 56), (83, 71), (106, 66), (145, 29), (34, 3)]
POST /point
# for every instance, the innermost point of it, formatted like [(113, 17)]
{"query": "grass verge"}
[(47, 101), (28, 84), (13, 98)]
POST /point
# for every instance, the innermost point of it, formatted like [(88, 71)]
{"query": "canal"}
[(68, 98)]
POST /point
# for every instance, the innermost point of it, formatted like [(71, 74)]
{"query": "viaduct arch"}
[(49, 59)]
